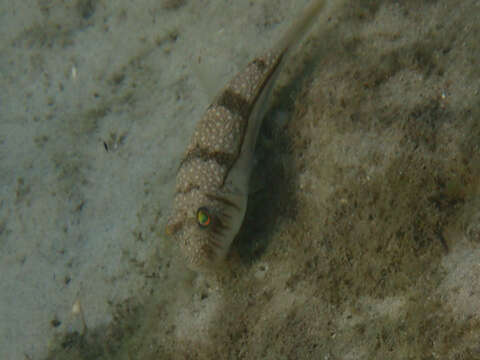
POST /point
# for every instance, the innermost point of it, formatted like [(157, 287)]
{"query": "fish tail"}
[(300, 27)]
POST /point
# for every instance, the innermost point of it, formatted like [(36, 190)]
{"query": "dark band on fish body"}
[(221, 158), (190, 187), (235, 103)]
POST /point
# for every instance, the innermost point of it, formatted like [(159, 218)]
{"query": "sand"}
[(362, 237)]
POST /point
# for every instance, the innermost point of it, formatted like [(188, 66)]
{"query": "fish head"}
[(204, 225)]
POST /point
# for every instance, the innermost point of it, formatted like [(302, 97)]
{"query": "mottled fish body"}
[(212, 181)]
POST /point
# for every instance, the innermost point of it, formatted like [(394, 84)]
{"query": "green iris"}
[(203, 217)]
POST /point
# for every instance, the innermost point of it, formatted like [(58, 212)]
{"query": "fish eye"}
[(203, 217)]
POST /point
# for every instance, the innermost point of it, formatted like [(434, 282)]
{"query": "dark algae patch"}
[(361, 240)]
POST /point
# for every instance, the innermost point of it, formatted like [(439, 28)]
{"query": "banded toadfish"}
[(213, 177)]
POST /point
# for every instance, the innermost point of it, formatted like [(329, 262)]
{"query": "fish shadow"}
[(274, 183)]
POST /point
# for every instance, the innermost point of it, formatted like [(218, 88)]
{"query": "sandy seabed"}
[(362, 237)]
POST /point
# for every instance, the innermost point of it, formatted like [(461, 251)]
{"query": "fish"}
[(212, 182)]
